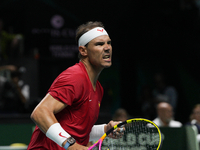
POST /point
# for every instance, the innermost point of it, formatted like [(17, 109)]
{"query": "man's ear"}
[(82, 50)]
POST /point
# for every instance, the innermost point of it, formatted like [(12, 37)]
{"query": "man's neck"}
[(93, 73)]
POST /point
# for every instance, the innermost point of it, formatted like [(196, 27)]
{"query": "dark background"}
[(147, 36)]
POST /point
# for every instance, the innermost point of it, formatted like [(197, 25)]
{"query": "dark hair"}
[(85, 28)]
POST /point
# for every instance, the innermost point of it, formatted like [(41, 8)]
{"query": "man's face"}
[(99, 52), (165, 113)]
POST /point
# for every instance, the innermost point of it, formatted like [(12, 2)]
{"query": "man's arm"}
[(43, 114), (44, 118), (98, 130)]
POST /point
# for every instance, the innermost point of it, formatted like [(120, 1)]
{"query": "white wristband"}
[(57, 134), (97, 132)]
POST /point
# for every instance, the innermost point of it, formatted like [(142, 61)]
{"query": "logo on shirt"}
[(62, 135), (90, 100), (99, 103)]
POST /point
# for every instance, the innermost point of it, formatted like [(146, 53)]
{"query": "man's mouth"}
[(106, 57)]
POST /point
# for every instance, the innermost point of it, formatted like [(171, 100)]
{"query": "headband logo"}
[(91, 34), (100, 30)]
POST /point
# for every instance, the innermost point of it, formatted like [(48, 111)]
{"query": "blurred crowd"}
[(11, 45), (14, 93)]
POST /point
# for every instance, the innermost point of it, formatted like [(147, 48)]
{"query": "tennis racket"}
[(134, 134)]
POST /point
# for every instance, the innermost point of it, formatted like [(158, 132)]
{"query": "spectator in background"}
[(9, 44), (165, 116), (163, 92), (195, 119), (14, 93), (120, 115)]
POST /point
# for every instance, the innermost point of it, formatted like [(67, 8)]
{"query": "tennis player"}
[(66, 116)]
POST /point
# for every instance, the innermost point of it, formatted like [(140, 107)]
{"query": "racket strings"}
[(137, 135)]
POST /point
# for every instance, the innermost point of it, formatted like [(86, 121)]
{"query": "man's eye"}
[(100, 43)]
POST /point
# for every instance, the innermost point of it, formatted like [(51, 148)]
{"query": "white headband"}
[(90, 35)]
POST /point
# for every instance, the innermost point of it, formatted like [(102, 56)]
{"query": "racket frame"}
[(100, 141)]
